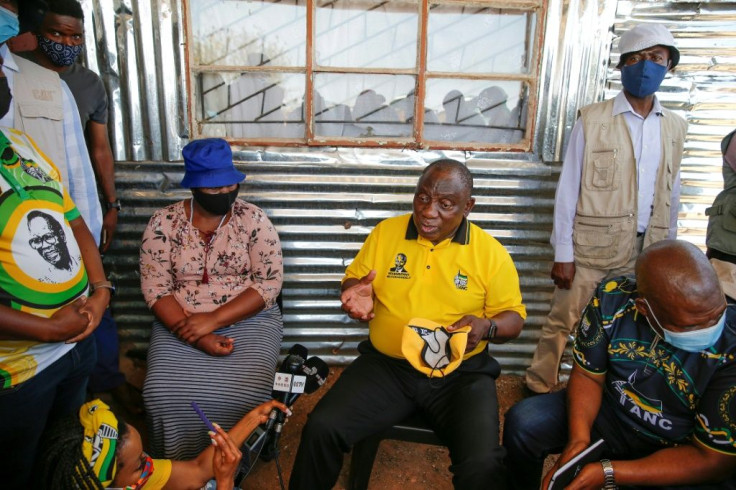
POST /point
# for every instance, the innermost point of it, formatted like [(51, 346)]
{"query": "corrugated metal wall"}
[(325, 201), (323, 210)]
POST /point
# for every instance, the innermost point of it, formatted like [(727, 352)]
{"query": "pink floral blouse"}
[(244, 253)]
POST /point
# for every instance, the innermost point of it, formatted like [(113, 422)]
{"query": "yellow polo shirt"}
[(470, 274)]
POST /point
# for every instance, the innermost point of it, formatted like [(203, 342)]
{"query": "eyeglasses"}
[(37, 242), (145, 474)]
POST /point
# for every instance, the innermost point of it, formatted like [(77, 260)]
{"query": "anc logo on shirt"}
[(398, 271), (461, 281), (40, 262), (648, 410)]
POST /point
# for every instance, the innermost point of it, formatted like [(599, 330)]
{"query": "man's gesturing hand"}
[(357, 298)]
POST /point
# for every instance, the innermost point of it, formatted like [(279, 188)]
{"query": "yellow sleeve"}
[(70, 209), (160, 476)]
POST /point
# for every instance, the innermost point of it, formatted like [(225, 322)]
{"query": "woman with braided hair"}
[(61, 462), (97, 450)]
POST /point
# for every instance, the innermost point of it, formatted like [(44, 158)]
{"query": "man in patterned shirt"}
[(654, 376)]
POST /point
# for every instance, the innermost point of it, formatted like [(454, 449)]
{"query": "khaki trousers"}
[(565, 310)]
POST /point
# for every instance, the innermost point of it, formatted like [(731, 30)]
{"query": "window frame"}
[(532, 79)]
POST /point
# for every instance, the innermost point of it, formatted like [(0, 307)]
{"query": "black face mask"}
[(217, 204), (5, 97)]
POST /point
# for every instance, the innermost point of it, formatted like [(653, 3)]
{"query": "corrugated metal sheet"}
[(137, 47), (323, 209), (325, 201)]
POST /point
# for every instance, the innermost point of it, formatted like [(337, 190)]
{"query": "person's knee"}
[(481, 469), (513, 425), (320, 428), (517, 428)]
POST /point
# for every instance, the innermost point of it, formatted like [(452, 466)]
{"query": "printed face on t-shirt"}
[(48, 239)]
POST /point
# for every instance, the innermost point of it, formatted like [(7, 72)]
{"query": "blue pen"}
[(203, 417)]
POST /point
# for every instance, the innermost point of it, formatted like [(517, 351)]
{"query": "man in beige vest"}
[(618, 191), (43, 107)]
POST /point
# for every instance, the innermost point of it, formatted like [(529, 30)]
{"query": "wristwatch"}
[(103, 284), (492, 329), (115, 204), (609, 483)]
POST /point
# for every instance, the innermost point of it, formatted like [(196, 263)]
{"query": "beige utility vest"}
[(604, 230), (39, 109)]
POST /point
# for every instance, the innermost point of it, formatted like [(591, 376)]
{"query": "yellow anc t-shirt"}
[(469, 274), (41, 266)]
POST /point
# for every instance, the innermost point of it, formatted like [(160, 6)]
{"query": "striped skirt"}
[(225, 388)]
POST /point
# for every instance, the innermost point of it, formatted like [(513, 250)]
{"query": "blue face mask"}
[(642, 78), (693, 340), (8, 24), (59, 54)]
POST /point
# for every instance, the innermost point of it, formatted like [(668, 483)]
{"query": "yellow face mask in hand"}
[(431, 349)]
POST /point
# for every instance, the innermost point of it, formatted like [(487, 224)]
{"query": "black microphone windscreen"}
[(317, 371), (299, 350), (290, 376)]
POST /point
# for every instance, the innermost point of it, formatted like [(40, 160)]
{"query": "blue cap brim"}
[(212, 178)]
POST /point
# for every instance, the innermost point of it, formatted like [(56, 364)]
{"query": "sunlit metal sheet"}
[(324, 201)]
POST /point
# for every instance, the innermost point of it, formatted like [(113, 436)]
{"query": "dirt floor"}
[(398, 465)]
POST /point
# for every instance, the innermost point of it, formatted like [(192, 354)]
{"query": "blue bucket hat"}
[(209, 163)]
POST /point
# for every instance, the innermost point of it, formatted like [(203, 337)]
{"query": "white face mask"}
[(693, 340)]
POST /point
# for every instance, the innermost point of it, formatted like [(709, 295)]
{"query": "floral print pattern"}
[(244, 253)]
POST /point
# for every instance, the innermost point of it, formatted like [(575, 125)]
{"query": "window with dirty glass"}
[(405, 73)]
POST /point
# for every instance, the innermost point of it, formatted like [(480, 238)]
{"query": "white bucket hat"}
[(645, 36)]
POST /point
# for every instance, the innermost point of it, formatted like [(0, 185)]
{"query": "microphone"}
[(316, 371), (288, 378)]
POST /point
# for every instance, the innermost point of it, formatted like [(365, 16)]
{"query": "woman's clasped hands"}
[(197, 330)]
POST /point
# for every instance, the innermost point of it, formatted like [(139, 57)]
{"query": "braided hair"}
[(60, 463)]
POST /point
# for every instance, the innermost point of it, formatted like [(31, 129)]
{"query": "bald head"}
[(675, 270), (454, 168)]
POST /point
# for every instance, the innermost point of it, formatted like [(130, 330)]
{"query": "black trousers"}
[(377, 391)]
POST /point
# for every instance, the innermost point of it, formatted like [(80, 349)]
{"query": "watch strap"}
[(609, 482), (492, 329), (113, 205)]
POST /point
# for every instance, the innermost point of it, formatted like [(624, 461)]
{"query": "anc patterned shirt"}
[(665, 394), (41, 266)]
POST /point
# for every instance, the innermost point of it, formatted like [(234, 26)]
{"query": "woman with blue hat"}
[(211, 270)]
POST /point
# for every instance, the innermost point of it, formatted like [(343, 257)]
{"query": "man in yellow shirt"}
[(437, 265)]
